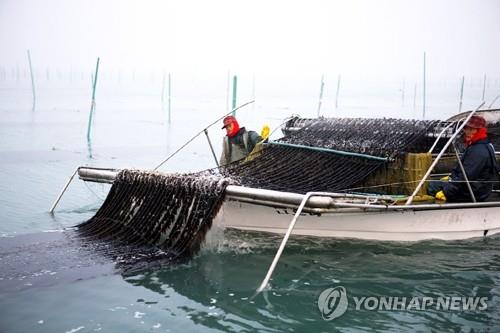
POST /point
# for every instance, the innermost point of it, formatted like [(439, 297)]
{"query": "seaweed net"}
[(300, 170), (383, 137), (169, 213)]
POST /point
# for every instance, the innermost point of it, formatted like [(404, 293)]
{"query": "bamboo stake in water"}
[(163, 89), (253, 91), (403, 94), (235, 90), (461, 95), (321, 93), (423, 92), (92, 105), (32, 79), (228, 88), (169, 97), (484, 87), (414, 100), (337, 94)]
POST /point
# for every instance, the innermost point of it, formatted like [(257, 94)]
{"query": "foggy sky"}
[(351, 36)]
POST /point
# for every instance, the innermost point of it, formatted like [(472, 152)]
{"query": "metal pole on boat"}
[(211, 147), (493, 101), (464, 173), (32, 79), (419, 186), (264, 283), (51, 210), (440, 135), (321, 93)]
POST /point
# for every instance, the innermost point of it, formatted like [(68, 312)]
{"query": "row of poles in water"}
[(166, 90), (424, 79)]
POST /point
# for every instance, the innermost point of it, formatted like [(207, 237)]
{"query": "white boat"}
[(344, 215)]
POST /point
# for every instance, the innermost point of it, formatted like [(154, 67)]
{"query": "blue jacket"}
[(481, 169)]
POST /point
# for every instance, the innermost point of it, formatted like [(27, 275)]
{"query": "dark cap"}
[(476, 122)]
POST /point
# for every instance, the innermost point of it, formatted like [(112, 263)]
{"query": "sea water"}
[(50, 282)]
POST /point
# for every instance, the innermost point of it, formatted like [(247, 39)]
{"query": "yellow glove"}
[(440, 196), (445, 179), (264, 134)]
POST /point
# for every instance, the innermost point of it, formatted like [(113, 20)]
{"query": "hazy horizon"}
[(356, 38)]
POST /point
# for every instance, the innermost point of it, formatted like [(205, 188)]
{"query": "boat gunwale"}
[(328, 203)]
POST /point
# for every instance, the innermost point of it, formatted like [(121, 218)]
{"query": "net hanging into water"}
[(169, 212)]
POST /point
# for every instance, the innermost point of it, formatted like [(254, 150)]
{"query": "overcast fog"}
[(361, 37)]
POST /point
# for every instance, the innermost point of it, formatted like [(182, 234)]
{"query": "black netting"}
[(372, 136), (170, 212), (301, 170)]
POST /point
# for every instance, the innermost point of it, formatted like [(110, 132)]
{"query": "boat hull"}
[(404, 225), (345, 215)]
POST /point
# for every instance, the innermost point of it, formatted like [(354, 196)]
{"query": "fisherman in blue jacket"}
[(479, 163)]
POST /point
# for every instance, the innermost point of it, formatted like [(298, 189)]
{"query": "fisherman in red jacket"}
[(479, 163), (238, 142)]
